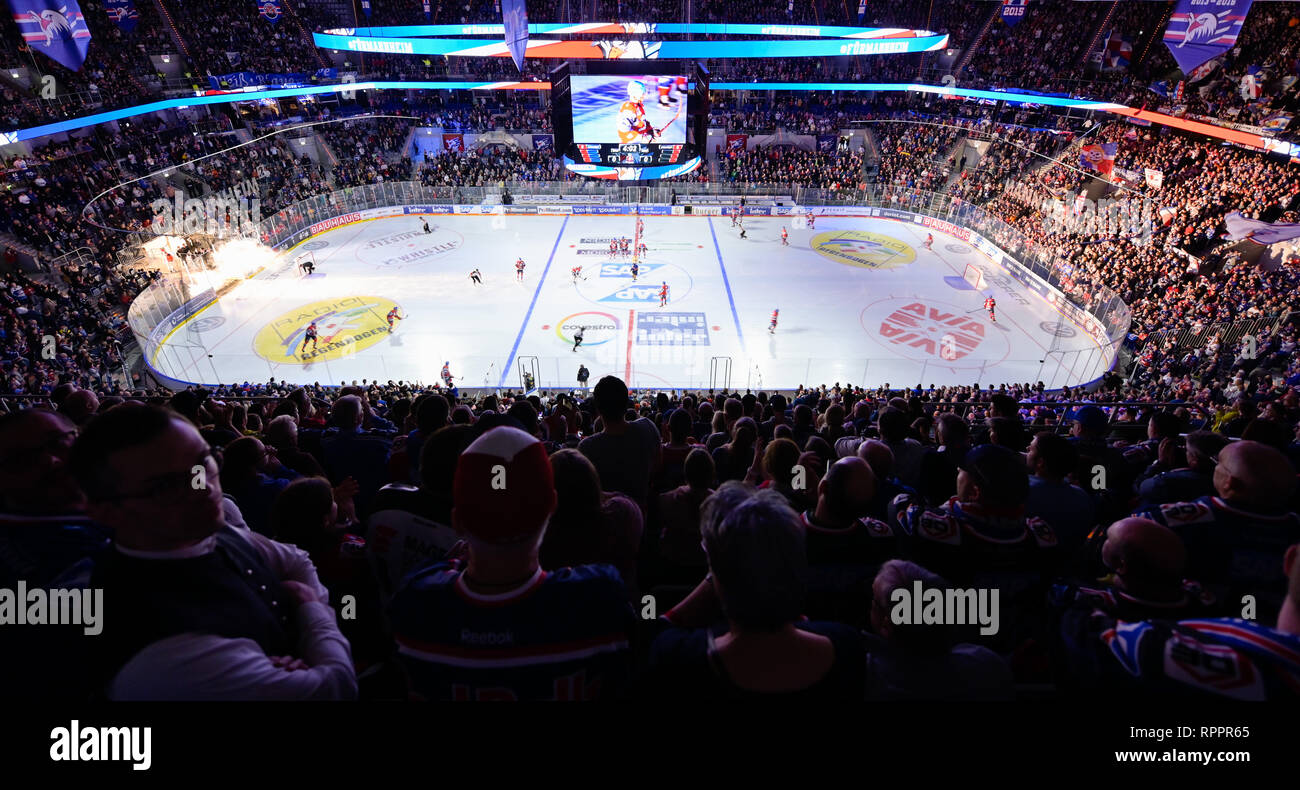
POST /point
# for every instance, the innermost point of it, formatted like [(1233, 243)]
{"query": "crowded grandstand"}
[(1125, 531)]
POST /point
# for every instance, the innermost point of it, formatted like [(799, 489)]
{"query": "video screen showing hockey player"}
[(629, 109)]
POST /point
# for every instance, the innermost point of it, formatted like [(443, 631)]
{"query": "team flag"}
[(1013, 11), (270, 10), (1098, 157), (123, 13), (1203, 29), (55, 28)]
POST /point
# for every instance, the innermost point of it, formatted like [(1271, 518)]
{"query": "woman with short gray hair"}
[(758, 571)]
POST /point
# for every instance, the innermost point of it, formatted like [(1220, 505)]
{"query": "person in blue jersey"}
[(1236, 539), (490, 623), (763, 649), (1210, 658)]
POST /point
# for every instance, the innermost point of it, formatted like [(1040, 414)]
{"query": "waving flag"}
[(123, 13), (1202, 29), (1241, 227), (1098, 157), (1116, 51), (55, 28), (270, 10), (1013, 11)]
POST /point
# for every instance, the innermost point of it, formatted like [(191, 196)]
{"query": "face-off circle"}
[(411, 247), (929, 330)]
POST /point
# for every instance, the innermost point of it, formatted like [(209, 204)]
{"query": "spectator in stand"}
[(253, 476), (590, 526), (281, 435), (908, 452), (461, 607), (925, 661), (1183, 482), (210, 612), (757, 578), (938, 479), (347, 452), (626, 454), (733, 459), (1235, 540), (1068, 508), (881, 460), (679, 517)]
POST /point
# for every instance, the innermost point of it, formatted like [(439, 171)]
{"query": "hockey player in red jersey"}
[(929, 240), (576, 272), (991, 304), (785, 238), (519, 269), (771, 328), (663, 295)]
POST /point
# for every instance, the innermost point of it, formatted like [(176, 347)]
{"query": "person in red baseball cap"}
[(488, 622)]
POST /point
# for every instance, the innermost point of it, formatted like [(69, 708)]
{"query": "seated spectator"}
[(925, 661), (758, 569), (1066, 507), (675, 450), (1183, 483), (208, 612), (281, 435), (1147, 562), (305, 515), (679, 515), (782, 473), (254, 477), (938, 481), (734, 459), (881, 460), (590, 526), (845, 545), (1111, 659), (451, 619), (1235, 540), (907, 451)]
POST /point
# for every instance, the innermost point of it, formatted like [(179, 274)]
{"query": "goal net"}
[(973, 276)]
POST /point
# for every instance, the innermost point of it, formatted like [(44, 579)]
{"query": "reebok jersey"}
[(562, 636)]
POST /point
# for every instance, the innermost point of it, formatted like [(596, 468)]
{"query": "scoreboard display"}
[(644, 124)]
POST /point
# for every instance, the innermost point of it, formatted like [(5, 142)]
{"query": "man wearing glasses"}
[(194, 608)]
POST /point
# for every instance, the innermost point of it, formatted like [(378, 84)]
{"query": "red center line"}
[(627, 370)]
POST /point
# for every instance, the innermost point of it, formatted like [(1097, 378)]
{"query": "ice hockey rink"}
[(861, 301)]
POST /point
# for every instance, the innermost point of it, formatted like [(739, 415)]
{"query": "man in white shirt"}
[(195, 609)]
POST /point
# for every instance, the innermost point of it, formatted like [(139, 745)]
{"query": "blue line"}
[(519, 338), (727, 284)]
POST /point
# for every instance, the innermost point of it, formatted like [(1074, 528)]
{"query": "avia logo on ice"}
[(343, 327), (597, 328), (99, 744), (934, 331), (863, 248), (636, 294), (625, 270), (945, 606)]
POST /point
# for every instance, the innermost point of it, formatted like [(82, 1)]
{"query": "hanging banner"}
[(428, 14), (544, 142), (365, 8), (736, 143), (453, 142), (1203, 29), (1013, 11), (55, 28), (514, 14), (270, 10), (123, 14)]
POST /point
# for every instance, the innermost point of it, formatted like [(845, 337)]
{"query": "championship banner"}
[(1013, 11), (453, 142), (514, 15), (270, 10), (55, 28), (1098, 157), (1203, 29), (123, 14), (544, 142), (365, 8), (428, 14), (736, 143), (862, 10), (826, 143)]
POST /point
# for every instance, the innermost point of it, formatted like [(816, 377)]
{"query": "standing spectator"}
[(625, 454)]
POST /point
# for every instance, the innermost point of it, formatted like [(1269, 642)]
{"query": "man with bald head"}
[(1220, 658), (888, 487), (1235, 540), (1146, 561), (845, 545)]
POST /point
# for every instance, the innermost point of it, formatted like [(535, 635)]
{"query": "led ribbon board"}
[(634, 29), (621, 49), (1196, 127)]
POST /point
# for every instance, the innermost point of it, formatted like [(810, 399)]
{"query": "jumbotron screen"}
[(630, 119)]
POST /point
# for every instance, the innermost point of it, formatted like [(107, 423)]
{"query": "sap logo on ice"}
[(98, 744), (634, 293), (625, 269)]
